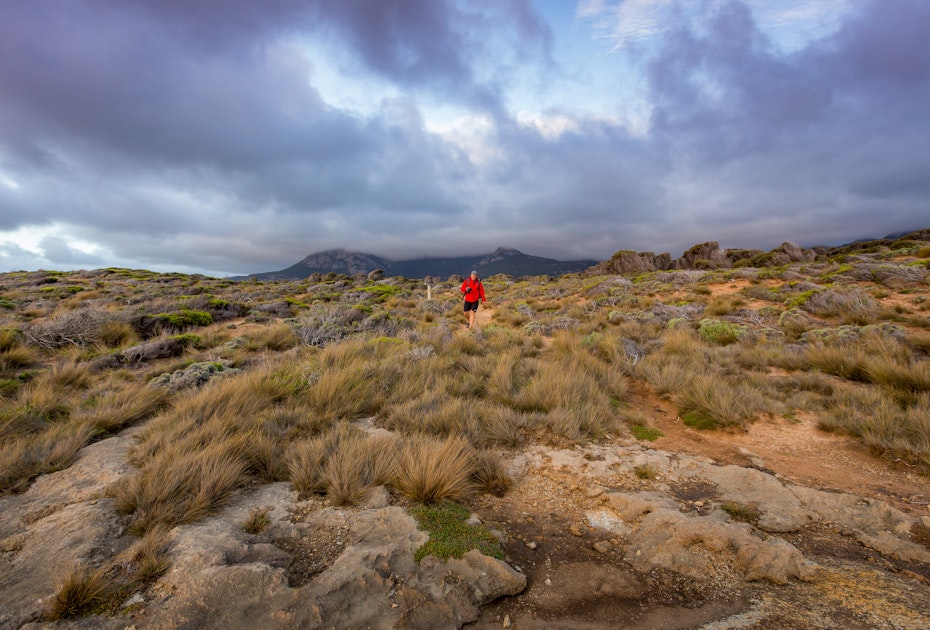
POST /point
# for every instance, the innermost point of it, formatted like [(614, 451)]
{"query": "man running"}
[(474, 291)]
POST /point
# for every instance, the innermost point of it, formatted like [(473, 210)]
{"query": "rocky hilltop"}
[(503, 260), (711, 256)]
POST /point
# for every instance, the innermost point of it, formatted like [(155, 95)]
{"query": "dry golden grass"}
[(906, 378), (124, 407), (17, 358), (79, 592), (356, 466), (710, 400), (846, 361), (438, 412), (504, 426), (149, 556), (115, 334), (177, 486), (70, 375), (722, 305), (430, 470), (305, 464), (490, 473), (22, 459), (276, 337), (667, 376)]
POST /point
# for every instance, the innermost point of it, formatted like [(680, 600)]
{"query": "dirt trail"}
[(797, 451), (485, 316)]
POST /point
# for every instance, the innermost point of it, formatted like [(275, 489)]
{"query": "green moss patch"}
[(450, 536), (643, 432)]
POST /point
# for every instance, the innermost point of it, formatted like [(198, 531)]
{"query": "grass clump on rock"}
[(450, 536)]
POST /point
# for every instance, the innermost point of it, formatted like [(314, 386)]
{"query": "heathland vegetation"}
[(342, 384)]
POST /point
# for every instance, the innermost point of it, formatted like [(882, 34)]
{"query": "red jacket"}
[(477, 290)]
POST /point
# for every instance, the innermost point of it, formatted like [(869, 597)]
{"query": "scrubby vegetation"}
[(341, 384)]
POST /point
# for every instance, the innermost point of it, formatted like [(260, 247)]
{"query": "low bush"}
[(719, 332), (79, 327), (186, 319)]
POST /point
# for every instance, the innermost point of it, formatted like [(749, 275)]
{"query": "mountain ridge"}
[(505, 260)]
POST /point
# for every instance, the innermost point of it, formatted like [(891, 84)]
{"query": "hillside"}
[(503, 260), (742, 447)]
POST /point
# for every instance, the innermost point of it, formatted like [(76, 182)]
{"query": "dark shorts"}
[(471, 306)]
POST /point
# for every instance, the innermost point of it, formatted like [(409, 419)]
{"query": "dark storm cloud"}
[(198, 134), (147, 118), (438, 45), (802, 141)]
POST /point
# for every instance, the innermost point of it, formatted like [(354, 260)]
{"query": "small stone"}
[(531, 545), (602, 546), (593, 493), (574, 529), (506, 623), (699, 504), (473, 520), (548, 582), (132, 601)]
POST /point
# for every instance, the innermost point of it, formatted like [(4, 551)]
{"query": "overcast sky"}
[(235, 136)]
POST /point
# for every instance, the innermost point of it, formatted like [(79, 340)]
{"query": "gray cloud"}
[(192, 134)]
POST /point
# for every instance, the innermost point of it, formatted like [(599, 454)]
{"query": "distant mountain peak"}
[(506, 260)]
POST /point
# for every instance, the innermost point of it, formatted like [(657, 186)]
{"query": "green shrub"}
[(719, 332), (186, 318)]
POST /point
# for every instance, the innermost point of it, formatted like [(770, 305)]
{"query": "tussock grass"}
[(123, 408), (906, 378), (645, 472), (437, 411), (305, 464), (667, 377), (80, 591), (277, 337), (722, 305), (149, 557), (682, 343), (490, 473), (257, 521), (846, 361), (15, 358), (888, 428), (360, 463), (68, 375), (178, 486), (504, 426), (708, 401), (22, 459), (115, 334), (431, 471)]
